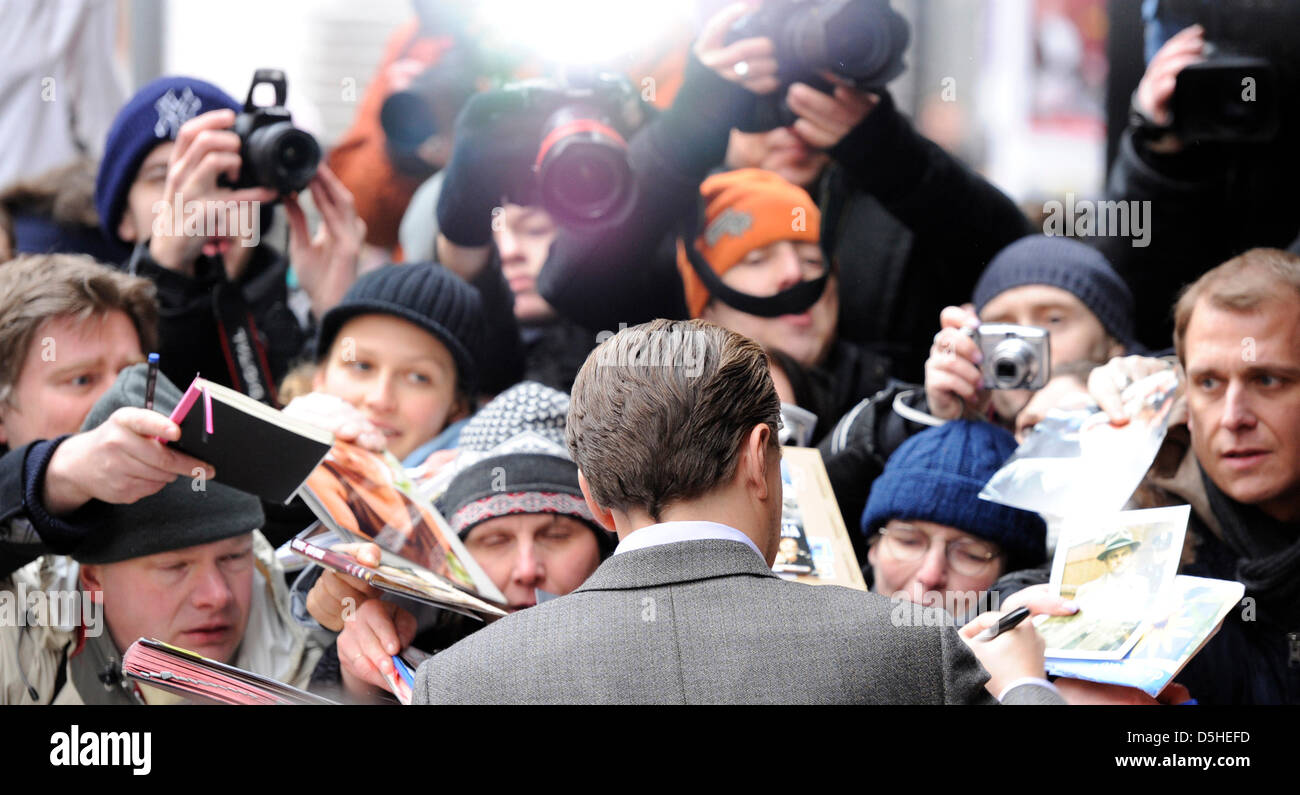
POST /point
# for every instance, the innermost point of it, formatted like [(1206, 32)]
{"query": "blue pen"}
[(152, 381), (404, 670)]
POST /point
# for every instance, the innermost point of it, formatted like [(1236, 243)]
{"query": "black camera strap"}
[(241, 344), (792, 301)]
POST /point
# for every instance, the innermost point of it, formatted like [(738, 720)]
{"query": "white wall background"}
[(319, 43)]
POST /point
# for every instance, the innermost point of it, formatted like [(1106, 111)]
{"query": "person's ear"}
[(1116, 348), (872, 553), (757, 458), (126, 227), (603, 515), (92, 582), (318, 377), (4, 432), (459, 408)]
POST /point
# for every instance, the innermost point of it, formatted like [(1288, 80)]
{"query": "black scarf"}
[(1268, 555)]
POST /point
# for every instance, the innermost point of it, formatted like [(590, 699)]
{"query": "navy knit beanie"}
[(1070, 265), (936, 476), (154, 115), (426, 294)]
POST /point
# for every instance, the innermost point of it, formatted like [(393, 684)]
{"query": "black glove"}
[(692, 135), (493, 158)]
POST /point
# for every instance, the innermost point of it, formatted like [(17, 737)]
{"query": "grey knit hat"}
[(513, 460), (1070, 265), (177, 517)]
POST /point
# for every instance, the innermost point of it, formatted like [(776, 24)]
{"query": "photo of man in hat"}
[(1121, 586)]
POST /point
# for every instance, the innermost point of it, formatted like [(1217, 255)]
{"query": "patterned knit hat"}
[(1069, 265), (936, 476), (154, 115), (513, 460), (426, 294)]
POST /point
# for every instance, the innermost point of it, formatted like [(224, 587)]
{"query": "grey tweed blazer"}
[(707, 622)]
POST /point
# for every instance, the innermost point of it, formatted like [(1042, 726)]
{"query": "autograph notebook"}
[(255, 448)]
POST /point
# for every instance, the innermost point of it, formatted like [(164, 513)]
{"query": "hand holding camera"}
[(747, 61), (953, 381), (255, 156), (1155, 92), (205, 150), (969, 358), (560, 145)]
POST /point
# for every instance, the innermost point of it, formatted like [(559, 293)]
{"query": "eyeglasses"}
[(965, 555)]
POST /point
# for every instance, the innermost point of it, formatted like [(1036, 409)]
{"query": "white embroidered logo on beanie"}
[(173, 111)]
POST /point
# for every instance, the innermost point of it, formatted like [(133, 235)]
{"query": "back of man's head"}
[(1239, 285), (659, 413)]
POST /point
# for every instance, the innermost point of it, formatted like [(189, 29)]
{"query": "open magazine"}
[(198, 678), (406, 581), (368, 497), (1076, 462)]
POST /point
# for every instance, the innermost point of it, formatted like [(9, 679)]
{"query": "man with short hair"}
[(67, 327), (1237, 334), (673, 425), (1053, 283), (184, 565)]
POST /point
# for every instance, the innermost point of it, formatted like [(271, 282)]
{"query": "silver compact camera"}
[(1015, 357)]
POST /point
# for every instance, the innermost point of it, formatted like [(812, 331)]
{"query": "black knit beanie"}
[(181, 515), (1069, 265), (426, 294)]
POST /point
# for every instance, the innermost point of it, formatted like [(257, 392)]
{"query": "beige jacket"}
[(274, 644)]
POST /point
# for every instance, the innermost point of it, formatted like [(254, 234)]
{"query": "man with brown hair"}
[(673, 425), (157, 557), (67, 327)]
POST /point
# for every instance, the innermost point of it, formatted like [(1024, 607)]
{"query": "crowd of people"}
[(834, 268)]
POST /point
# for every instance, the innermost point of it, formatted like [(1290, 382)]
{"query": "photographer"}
[(222, 290), (1053, 283), (505, 268), (1217, 180), (908, 227)]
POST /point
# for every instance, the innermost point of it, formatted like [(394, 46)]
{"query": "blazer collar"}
[(684, 561)]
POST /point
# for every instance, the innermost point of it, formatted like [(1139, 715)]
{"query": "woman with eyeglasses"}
[(932, 539)]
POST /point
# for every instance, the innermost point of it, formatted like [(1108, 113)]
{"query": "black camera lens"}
[(282, 157), (583, 175)]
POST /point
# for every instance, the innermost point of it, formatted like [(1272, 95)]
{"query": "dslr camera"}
[(1015, 357), (860, 40), (273, 153), (580, 173), (1249, 75)]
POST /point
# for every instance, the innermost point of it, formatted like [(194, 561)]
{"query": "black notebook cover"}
[(253, 447)]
